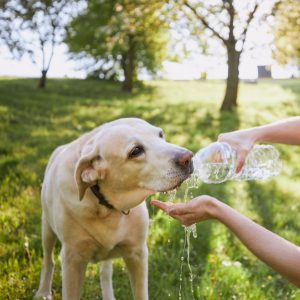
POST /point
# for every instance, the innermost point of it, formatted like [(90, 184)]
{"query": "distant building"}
[(264, 71)]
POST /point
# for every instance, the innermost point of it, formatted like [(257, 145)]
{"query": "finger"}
[(240, 160), (162, 205)]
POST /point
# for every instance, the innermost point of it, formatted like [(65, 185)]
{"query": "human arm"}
[(278, 253), (284, 132)]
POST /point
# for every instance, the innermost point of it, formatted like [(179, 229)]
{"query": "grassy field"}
[(34, 122)]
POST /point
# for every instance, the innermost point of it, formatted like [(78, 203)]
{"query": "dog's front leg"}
[(106, 271), (137, 265), (73, 271)]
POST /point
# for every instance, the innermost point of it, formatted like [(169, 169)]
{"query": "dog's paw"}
[(43, 296)]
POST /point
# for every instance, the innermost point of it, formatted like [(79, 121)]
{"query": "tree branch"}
[(231, 12), (53, 43), (204, 22), (250, 18), (42, 44)]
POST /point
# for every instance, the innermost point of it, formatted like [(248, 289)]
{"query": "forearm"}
[(284, 132), (278, 253)]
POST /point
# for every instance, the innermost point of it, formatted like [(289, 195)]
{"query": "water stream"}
[(188, 185)]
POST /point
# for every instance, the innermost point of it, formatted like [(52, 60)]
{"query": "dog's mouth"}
[(179, 180), (176, 186), (170, 180)]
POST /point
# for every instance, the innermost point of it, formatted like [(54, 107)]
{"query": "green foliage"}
[(107, 30), (287, 32), (33, 122)]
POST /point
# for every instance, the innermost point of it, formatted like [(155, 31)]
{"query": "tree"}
[(8, 29), (228, 21), (35, 28), (119, 35), (287, 31)]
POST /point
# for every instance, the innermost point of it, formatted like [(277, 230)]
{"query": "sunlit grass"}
[(34, 122)]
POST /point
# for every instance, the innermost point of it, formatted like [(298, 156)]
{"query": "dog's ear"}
[(89, 169)]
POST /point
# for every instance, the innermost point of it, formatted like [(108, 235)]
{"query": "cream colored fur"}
[(89, 231)]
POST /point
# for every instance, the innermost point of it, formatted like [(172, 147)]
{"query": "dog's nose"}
[(184, 159)]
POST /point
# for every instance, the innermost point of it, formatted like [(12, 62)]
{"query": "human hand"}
[(242, 141), (198, 209)]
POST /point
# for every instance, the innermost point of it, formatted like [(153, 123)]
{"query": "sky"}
[(188, 68), (61, 65)]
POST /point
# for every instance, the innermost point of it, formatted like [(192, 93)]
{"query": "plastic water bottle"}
[(216, 163)]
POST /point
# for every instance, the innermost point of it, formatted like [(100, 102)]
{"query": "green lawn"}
[(34, 122)]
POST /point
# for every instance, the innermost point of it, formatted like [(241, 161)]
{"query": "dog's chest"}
[(106, 240), (103, 253)]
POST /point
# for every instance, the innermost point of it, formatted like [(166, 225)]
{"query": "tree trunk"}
[(42, 82), (230, 98), (128, 64)]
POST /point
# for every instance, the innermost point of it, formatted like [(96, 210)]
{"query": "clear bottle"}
[(216, 163)]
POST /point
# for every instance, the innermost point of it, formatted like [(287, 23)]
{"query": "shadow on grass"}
[(30, 118), (229, 121), (263, 199), (266, 199), (268, 202)]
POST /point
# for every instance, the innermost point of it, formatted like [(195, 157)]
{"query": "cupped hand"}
[(196, 210)]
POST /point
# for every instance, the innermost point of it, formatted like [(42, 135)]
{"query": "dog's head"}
[(130, 160)]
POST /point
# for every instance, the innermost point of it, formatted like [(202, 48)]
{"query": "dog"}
[(93, 201)]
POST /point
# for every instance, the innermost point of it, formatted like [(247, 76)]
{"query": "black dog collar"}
[(102, 200)]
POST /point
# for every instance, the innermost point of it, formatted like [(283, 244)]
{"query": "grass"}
[(34, 122)]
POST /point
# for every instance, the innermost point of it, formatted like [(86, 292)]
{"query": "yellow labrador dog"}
[(93, 202)]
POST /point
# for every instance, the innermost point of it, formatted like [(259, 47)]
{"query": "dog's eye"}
[(161, 134), (136, 151)]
